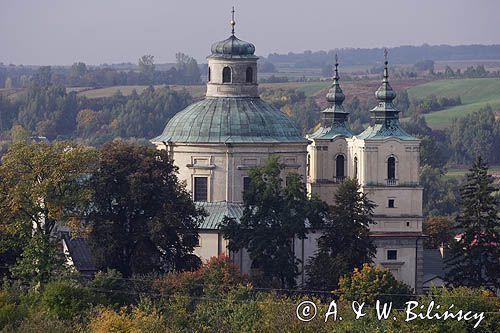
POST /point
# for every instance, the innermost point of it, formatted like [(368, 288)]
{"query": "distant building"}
[(216, 141)]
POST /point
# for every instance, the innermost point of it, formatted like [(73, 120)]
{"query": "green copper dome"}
[(233, 47), (230, 120)]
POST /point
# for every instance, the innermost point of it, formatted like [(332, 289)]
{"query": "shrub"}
[(371, 284), (134, 321), (66, 300)]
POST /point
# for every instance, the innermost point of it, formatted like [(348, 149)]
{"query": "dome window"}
[(209, 75), (226, 75), (249, 76)]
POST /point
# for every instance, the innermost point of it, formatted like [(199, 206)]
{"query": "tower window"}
[(355, 168), (200, 188), (392, 254), (339, 167), (308, 165), (246, 184), (391, 168), (390, 204), (226, 75), (209, 74), (249, 76)]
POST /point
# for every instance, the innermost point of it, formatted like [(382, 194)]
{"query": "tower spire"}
[(335, 94), (386, 71), (233, 22)]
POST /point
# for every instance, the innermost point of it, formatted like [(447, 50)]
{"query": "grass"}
[(475, 94)]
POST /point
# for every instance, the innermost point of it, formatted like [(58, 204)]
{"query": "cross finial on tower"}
[(336, 66), (386, 71), (233, 22)]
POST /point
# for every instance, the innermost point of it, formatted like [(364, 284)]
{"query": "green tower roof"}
[(334, 118), (385, 116), (231, 120)]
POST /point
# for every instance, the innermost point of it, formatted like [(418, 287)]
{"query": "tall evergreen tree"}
[(345, 243), (475, 256), (273, 215)]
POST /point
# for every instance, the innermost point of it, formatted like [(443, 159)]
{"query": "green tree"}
[(475, 134), (42, 186), (147, 67), (273, 215), (143, 219), (345, 242), (474, 256), (440, 194), (188, 68), (371, 284), (439, 230)]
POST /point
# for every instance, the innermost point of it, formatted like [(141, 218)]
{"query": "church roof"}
[(337, 129), (217, 211), (231, 120), (233, 47), (384, 131)]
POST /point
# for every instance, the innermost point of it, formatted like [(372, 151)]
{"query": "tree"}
[(147, 67), (440, 194), (188, 68), (143, 219), (42, 186), (439, 230), (345, 242), (371, 284), (273, 216), (474, 256), (43, 76)]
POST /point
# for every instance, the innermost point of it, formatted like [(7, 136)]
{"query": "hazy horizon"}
[(61, 32)]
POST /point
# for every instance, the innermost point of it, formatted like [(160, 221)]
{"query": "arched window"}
[(339, 167), (391, 168), (209, 75), (308, 165), (249, 75), (355, 167), (226, 75)]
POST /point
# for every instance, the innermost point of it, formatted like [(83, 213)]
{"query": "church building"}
[(215, 142)]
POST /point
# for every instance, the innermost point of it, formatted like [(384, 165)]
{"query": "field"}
[(475, 94), (460, 172), (196, 91)]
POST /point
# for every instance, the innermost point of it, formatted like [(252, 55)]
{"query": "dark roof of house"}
[(434, 264), (79, 252)]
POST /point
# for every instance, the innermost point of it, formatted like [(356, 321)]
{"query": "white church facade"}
[(216, 141)]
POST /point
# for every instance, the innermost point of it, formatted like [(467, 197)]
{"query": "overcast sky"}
[(44, 32)]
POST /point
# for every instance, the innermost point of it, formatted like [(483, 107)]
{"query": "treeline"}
[(302, 109), (398, 55), (142, 227), (185, 71), (50, 111)]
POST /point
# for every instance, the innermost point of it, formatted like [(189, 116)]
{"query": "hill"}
[(474, 93)]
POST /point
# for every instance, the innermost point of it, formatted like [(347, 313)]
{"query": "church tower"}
[(385, 160), (328, 163)]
